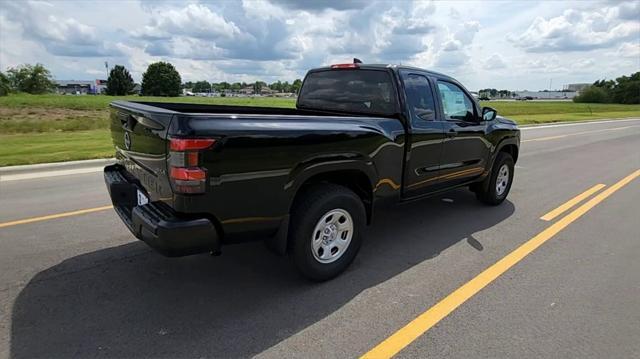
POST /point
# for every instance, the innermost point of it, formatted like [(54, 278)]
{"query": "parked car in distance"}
[(191, 178)]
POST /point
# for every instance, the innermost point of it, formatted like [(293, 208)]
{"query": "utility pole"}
[(106, 66)]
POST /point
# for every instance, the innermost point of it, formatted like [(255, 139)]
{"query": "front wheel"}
[(325, 233), (495, 188)]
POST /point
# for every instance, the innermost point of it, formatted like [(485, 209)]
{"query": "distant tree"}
[(236, 86), (295, 87), (258, 86), (285, 87), (120, 82), (201, 86), (592, 94), (161, 79), (187, 85), (605, 85), (5, 85), (627, 89), (504, 93), (33, 79)]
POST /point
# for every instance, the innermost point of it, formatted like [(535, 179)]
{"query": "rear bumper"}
[(156, 223)]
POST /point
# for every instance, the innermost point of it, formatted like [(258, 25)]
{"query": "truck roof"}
[(394, 67)]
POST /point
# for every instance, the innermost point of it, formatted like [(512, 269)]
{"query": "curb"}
[(56, 166)]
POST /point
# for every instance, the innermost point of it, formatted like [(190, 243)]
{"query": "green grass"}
[(88, 102), (528, 112), (51, 128), (54, 147)]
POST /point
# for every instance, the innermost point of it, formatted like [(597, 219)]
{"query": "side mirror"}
[(489, 114)]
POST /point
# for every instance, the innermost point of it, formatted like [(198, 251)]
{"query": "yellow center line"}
[(410, 332), (53, 216), (576, 133), (572, 202)]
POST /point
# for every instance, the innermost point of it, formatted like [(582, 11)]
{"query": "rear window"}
[(359, 91)]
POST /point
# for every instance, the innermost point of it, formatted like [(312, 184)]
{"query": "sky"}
[(515, 45)]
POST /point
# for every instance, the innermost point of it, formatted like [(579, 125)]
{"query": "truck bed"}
[(189, 108)]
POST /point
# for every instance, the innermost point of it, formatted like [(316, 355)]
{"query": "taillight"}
[(188, 144), (184, 160)]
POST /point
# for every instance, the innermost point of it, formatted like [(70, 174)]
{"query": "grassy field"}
[(54, 147), (49, 128)]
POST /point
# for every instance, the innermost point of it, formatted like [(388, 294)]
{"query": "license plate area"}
[(142, 198)]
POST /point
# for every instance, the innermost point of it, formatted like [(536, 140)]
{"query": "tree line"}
[(205, 86), (492, 93), (624, 89), (160, 79)]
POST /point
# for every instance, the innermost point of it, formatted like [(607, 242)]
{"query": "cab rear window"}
[(354, 91)]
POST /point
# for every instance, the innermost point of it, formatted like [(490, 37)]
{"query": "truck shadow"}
[(127, 301)]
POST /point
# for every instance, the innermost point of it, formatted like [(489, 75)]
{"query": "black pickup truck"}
[(190, 178)]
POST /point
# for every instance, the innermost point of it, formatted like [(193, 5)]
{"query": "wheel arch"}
[(355, 175), (510, 146)]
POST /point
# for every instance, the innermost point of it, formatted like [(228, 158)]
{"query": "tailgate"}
[(139, 134)]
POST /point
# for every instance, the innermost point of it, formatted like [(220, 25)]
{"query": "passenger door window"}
[(419, 98), (456, 105)]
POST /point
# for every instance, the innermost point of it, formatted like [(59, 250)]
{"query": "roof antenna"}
[(357, 60)]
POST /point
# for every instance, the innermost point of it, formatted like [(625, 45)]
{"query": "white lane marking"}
[(577, 124), (26, 176)]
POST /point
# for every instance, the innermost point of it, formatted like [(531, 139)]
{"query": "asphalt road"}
[(82, 286)]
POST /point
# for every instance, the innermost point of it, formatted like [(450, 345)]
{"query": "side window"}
[(419, 97), (455, 103)]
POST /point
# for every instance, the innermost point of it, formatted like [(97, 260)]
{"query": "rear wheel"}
[(496, 186), (325, 233)]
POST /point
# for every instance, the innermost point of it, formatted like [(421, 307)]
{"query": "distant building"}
[(576, 87), (267, 91), (547, 95), (74, 87), (100, 87), (247, 90), (80, 87)]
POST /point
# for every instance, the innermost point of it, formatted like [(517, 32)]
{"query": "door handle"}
[(452, 133)]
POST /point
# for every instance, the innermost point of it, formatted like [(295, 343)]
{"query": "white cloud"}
[(194, 21), (571, 41), (494, 62), (576, 30), (629, 49), (63, 36)]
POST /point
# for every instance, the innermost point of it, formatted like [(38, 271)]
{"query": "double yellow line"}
[(425, 321)]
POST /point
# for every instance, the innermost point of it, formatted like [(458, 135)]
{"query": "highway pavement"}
[(444, 277)]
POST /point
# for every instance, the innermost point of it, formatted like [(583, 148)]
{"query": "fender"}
[(308, 169), (510, 140)]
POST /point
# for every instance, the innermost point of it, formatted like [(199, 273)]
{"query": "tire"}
[(494, 190), (321, 251)]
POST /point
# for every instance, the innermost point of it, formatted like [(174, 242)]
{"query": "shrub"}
[(33, 79), (5, 85), (592, 94)]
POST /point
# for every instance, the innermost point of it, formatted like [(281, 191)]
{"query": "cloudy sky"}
[(513, 45)]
